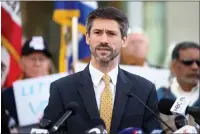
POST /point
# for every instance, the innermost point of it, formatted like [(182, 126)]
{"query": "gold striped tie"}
[(106, 105)]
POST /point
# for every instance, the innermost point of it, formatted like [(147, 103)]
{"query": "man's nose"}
[(37, 62), (104, 38), (195, 66)]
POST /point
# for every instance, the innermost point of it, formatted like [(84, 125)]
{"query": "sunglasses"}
[(190, 62)]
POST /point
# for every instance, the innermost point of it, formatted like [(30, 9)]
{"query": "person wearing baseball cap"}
[(35, 61), (35, 58)]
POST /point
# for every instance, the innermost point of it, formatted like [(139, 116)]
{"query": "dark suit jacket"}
[(9, 103), (127, 111), (4, 119)]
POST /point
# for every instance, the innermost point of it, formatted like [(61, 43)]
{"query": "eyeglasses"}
[(34, 58), (190, 62)]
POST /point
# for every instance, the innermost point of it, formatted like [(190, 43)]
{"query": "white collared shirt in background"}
[(193, 95)]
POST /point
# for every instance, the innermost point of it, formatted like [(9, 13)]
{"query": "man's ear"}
[(87, 37), (172, 66), (21, 63), (124, 41)]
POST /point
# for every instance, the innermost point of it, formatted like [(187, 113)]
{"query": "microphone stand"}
[(60, 130), (132, 95)]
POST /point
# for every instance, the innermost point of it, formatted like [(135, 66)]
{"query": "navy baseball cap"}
[(36, 44)]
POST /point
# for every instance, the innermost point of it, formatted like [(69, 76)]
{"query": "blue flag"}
[(64, 11)]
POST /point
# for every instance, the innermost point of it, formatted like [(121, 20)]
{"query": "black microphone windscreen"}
[(95, 122), (165, 105), (195, 113), (74, 107), (44, 123), (180, 121), (192, 110)]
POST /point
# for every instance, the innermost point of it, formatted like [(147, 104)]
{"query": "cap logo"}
[(37, 43)]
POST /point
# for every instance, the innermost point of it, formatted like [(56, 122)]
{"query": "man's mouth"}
[(194, 76), (103, 49)]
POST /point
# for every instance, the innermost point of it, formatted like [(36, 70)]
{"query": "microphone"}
[(180, 105), (43, 127), (44, 123), (186, 130), (195, 113), (182, 125), (158, 131), (133, 95), (98, 127), (72, 109), (39, 131), (131, 130), (180, 121), (166, 104)]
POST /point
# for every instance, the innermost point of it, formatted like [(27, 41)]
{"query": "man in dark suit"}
[(103, 81)]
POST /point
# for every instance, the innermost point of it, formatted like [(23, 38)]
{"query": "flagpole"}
[(75, 41), (63, 50)]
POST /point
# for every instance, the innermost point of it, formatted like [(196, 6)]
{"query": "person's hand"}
[(14, 130)]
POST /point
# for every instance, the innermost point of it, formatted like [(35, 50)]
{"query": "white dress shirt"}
[(99, 84)]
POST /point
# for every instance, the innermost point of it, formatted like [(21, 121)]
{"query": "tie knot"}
[(106, 78)]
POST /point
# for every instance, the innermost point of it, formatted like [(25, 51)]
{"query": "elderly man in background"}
[(185, 68), (136, 51), (35, 61)]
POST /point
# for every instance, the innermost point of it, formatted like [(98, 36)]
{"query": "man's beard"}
[(189, 80), (105, 60)]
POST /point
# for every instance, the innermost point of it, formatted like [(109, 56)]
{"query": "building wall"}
[(154, 26), (182, 21)]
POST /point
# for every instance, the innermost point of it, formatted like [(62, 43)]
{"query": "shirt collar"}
[(113, 75), (97, 75)]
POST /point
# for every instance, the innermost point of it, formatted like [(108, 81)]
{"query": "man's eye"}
[(96, 32), (112, 34)]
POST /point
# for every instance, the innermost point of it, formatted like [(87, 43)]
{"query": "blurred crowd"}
[(184, 66)]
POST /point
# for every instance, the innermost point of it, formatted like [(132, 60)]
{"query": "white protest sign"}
[(157, 76), (31, 97)]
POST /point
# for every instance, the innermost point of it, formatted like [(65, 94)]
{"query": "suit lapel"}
[(122, 89), (87, 94)]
